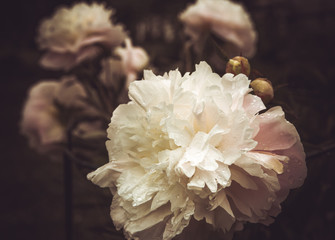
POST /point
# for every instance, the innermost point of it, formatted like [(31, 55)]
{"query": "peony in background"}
[(292, 50)]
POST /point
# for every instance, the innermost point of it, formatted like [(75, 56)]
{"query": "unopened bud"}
[(263, 88), (238, 65)]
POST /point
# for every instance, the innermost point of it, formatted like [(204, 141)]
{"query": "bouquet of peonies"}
[(193, 154)]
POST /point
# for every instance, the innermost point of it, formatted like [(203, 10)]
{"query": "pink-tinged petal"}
[(87, 53), (295, 170), (259, 201), (39, 120), (133, 59), (252, 104), (57, 61), (275, 132), (107, 37), (67, 60)]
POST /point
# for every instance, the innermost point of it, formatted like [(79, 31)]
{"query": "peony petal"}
[(295, 169), (273, 123), (220, 199), (149, 93), (57, 61), (148, 221), (86, 53), (102, 176), (253, 104), (179, 221), (242, 178), (269, 160)]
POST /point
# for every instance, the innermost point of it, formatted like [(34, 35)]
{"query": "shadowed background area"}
[(295, 50)]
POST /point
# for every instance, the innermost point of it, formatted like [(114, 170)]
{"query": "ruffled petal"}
[(273, 123)]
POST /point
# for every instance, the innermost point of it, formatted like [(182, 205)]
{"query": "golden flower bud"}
[(263, 88), (238, 65)]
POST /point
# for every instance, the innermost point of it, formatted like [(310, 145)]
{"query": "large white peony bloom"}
[(195, 147)]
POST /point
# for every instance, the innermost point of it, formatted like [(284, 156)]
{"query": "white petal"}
[(148, 93)]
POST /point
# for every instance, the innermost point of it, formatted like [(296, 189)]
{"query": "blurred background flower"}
[(226, 19), (40, 121), (134, 60), (74, 34)]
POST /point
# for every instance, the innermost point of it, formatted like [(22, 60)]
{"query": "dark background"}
[(295, 50)]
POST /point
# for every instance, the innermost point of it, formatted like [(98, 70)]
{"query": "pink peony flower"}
[(193, 152), (72, 35), (44, 123), (134, 60), (40, 117), (225, 19), (119, 72)]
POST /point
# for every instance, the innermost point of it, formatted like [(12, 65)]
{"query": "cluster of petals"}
[(225, 19), (71, 35), (43, 121), (194, 148)]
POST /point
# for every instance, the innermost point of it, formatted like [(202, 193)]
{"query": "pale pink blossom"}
[(225, 19), (134, 60), (48, 110), (72, 35), (40, 121), (123, 68), (193, 152)]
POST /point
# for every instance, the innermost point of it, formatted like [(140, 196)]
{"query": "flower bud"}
[(263, 88), (238, 65)]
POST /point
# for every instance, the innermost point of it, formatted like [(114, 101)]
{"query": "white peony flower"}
[(71, 34), (195, 147), (227, 20)]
